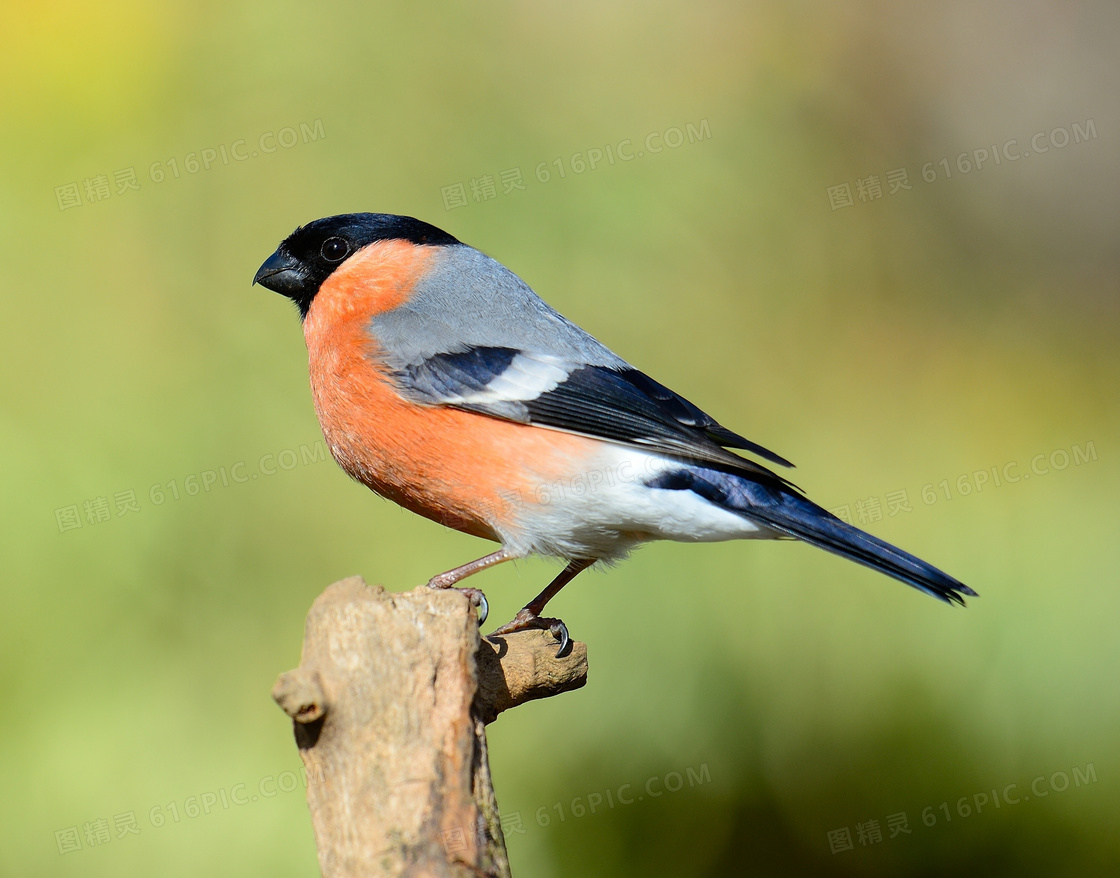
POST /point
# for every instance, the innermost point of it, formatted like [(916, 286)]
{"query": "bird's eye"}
[(335, 249)]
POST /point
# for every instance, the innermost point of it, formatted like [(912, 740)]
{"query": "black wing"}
[(621, 405)]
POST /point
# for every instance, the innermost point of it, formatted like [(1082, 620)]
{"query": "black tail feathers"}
[(796, 516)]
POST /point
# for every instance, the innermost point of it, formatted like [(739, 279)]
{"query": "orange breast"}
[(461, 469)]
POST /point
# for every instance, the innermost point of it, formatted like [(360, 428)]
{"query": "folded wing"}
[(617, 404)]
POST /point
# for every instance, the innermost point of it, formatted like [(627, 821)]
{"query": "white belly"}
[(607, 510)]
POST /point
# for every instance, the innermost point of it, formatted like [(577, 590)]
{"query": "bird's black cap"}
[(310, 254)]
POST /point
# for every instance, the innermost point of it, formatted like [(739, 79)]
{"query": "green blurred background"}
[(784, 702)]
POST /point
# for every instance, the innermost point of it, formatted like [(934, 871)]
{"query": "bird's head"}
[(311, 254)]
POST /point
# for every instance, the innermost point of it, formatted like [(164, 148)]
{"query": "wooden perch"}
[(390, 703)]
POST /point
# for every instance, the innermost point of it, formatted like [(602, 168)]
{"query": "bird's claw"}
[(526, 619), (560, 632), (483, 604), (474, 595)]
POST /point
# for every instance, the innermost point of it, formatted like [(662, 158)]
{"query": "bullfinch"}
[(444, 383)]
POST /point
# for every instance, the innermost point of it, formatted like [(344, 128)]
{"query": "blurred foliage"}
[(930, 334)]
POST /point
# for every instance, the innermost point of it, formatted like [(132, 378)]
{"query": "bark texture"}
[(389, 705)]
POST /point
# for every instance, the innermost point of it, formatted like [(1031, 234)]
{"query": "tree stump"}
[(389, 706)]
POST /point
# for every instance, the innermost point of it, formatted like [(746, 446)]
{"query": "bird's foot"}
[(526, 619), (474, 595)]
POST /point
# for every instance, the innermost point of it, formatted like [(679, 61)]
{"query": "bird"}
[(443, 383)]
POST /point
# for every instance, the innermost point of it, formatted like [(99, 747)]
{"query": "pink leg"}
[(530, 616), (474, 595)]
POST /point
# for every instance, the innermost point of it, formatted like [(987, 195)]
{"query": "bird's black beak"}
[(282, 274)]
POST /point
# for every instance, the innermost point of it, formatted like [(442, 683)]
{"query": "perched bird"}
[(444, 383)]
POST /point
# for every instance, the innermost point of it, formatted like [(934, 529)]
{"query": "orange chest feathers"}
[(461, 469)]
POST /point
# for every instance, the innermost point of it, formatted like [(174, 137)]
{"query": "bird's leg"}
[(474, 595), (530, 616)]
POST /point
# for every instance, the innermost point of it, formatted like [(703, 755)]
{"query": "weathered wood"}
[(389, 706)]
